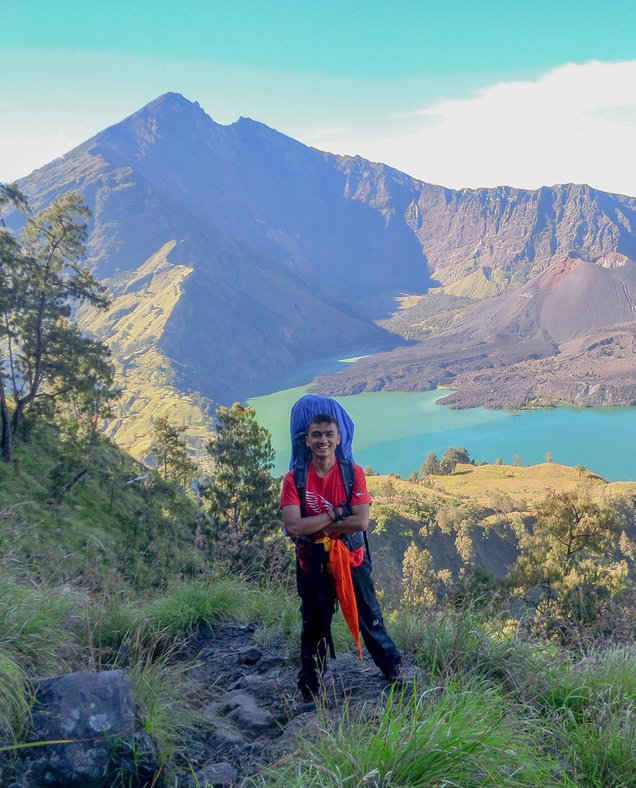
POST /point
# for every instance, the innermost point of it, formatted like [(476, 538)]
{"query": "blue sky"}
[(460, 93)]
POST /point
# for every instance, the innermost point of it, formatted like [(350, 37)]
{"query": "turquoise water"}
[(396, 430)]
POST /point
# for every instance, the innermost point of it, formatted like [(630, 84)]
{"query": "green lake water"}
[(396, 430)]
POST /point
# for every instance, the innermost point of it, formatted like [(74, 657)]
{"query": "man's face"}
[(322, 439)]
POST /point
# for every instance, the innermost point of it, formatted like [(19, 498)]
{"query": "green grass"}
[(111, 577), (36, 622), (14, 699), (167, 701), (590, 707), (452, 644), (139, 535), (451, 735), (179, 612)]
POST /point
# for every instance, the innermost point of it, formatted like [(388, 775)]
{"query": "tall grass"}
[(590, 707), (454, 643), (36, 620), (164, 620), (14, 699), (450, 736), (167, 700)]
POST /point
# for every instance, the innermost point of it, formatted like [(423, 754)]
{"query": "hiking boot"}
[(394, 676), (311, 698), (401, 674)]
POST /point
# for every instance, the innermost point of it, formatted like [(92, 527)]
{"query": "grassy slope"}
[(112, 576), (112, 567), (488, 502), (485, 482), (142, 304), (107, 525)]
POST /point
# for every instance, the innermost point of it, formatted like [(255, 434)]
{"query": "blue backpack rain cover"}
[(303, 411)]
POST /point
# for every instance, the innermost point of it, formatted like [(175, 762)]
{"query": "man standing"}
[(323, 515)]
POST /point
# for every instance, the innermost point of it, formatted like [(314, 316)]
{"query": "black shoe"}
[(309, 694), (394, 675)]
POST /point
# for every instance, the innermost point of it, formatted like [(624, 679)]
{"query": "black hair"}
[(324, 418)]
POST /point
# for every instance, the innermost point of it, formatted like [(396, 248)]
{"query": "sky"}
[(455, 92)]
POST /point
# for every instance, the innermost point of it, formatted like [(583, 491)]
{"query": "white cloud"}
[(574, 124), (22, 153)]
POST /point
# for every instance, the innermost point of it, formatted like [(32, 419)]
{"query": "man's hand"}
[(358, 520), (295, 525)]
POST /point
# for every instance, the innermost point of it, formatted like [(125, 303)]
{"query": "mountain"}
[(568, 334), (237, 258), (246, 242)]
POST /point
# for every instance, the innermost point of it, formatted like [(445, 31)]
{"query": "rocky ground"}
[(254, 715)]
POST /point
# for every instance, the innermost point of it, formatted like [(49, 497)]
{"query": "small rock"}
[(249, 655), (270, 662), (224, 734), (243, 710), (254, 748), (222, 773)]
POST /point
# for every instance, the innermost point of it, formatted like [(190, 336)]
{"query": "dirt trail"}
[(248, 696)]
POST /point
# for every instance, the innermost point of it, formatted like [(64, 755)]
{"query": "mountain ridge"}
[(300, 254)]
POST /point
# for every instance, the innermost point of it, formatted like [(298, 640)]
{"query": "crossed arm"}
[(295, 525)]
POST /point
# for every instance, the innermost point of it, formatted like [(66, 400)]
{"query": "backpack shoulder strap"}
[(300, 480), (346, 469)]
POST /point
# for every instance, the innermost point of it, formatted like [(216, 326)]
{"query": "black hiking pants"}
[(318, 597)]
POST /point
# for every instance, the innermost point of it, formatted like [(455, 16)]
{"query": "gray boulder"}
[(93, 714)]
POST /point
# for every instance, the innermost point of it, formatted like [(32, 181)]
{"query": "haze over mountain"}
[(236, 255)]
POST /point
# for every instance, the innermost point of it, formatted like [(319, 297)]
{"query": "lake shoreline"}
[(396, 430)]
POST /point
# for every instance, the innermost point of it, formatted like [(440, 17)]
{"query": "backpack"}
[(302, 412)]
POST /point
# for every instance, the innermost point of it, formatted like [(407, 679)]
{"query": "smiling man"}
[(315, 518)]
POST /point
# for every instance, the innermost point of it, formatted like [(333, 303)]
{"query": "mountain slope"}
[(296, 256), (569, 333), (284, 267)]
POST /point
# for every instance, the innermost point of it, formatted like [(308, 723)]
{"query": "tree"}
[(422, 511), (242, 496), (82, 411), (451, 458), (421, 584), (45, 359), (567, 563), (430, 466), (10, 194), (171, 452)]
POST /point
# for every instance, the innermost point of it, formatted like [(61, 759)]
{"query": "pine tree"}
[(242, 496), (45, 359), (171, 452)]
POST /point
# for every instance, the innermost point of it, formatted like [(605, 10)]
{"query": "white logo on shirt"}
[(316, 503)]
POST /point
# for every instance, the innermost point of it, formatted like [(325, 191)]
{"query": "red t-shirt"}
[(324, 493)]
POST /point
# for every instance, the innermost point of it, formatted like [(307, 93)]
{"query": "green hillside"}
[(125, 571), (142, 303)]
